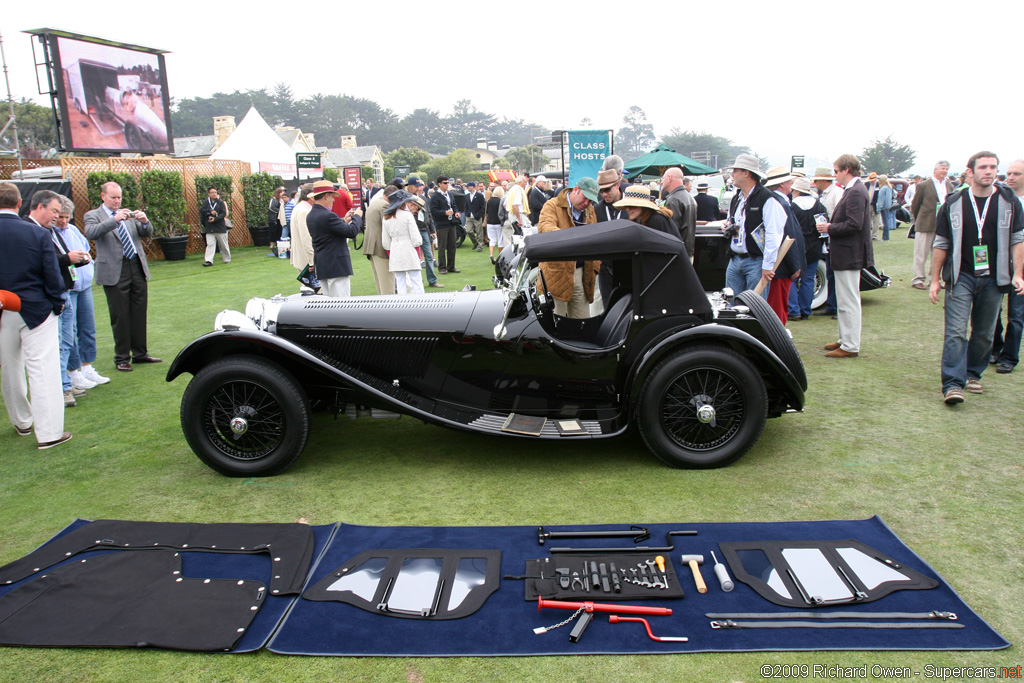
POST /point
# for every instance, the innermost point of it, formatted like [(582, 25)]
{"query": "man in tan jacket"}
[(570, 283), (373, 247), (929, 195), (302, 243)]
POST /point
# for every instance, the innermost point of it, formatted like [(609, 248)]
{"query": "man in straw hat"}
[(756, 226), (571, 283), (330, 235), (790, 262), (849, 235), (805, 207), (829, 193)]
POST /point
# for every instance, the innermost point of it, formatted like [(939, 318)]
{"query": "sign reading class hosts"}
[(587, 150)]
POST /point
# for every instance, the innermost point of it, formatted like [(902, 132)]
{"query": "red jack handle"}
[(601, 607), (613, 619)]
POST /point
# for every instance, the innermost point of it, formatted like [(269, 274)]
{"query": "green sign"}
[(403, 170), (307, 160), (798, 162)]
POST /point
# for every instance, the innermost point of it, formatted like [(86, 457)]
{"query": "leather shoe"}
[(1004, 368), (124, 367), (919, 285), (841, 353), (435, 284), (207, 263), (66, 436), (22, 432), (832, 347), (147, 359), (454, 270)]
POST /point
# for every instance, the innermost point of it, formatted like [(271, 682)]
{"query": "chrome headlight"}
[(233, 320)]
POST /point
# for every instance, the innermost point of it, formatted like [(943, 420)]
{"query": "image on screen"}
[(111, 98)]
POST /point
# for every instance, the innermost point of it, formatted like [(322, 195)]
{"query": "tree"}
[(637, 136), (529, 158), (413, 157), (37, 131), (691, 142), (455, 165), (887, 156)]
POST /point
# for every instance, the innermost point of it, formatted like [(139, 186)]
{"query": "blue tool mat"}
[(256, 567), (504, 625)]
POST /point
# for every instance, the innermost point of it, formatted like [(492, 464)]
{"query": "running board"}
[(495, 423)]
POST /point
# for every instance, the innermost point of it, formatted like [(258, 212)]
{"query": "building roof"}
[(194, 146), (336, 157)]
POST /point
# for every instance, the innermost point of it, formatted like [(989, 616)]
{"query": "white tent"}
[(256, 142)]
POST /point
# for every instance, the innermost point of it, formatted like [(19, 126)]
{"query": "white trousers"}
[(35, 352), (336, 286), (409, 281), (848, 303), (212, 240)]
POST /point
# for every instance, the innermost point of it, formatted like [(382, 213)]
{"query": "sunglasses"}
[(606, 190)]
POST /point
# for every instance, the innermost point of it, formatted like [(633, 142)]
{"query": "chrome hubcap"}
[(706, 413), (239, 425)]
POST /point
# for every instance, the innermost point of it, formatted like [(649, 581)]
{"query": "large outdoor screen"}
[(111, 98)]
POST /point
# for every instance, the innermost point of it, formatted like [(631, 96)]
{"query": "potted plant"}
[(257, 191), (163, 200)]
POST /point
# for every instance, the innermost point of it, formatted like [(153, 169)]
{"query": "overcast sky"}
[(815, 79)]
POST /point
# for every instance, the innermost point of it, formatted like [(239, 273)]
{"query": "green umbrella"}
[(657, 160)]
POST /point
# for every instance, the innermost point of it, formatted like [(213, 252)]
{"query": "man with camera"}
[(122, 269)]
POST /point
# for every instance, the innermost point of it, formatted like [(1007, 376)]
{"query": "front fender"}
[(215, 345), (773, 370)]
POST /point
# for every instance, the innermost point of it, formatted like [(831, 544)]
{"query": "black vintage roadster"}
[(696, 373)]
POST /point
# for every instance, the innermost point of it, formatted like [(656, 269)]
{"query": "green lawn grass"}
[(875, 438)]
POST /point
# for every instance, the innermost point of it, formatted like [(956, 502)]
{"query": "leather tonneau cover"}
[(290, 546), (129, 599)]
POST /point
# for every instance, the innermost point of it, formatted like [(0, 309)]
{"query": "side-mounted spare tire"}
[(781, 343), (245, 416), (702, 407)]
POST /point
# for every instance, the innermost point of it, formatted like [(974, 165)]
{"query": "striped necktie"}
[(126, 241)]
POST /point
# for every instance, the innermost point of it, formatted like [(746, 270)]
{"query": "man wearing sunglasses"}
[(446, 218)]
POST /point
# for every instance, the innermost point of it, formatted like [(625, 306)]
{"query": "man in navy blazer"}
[(30, 338), (330, 235)]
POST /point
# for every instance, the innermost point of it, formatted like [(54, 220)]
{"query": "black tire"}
[(271, 404), (702, 376), (781, 343), (132, 136)]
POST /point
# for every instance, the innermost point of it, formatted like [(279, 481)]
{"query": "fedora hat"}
[(323, 187), (777, 176), (823, 173), (397, 200), (872, 176), (607, 178), (748, 162), (803, 186), (636, 195)]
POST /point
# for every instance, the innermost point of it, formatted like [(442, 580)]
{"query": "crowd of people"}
[(47, 325), (779, 224)]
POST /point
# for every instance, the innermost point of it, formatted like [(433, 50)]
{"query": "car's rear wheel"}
[(703, 407), (820, 285), (245, 416)]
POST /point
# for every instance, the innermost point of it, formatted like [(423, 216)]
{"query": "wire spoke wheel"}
[(703, 407), (245, 416)]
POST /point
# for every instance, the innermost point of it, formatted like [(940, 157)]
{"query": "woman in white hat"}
[(637, 202), (400, 236)]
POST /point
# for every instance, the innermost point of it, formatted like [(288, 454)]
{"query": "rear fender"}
[(777, 377)]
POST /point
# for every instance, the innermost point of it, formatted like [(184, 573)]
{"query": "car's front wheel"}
[(245, 416), (703, 407)]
